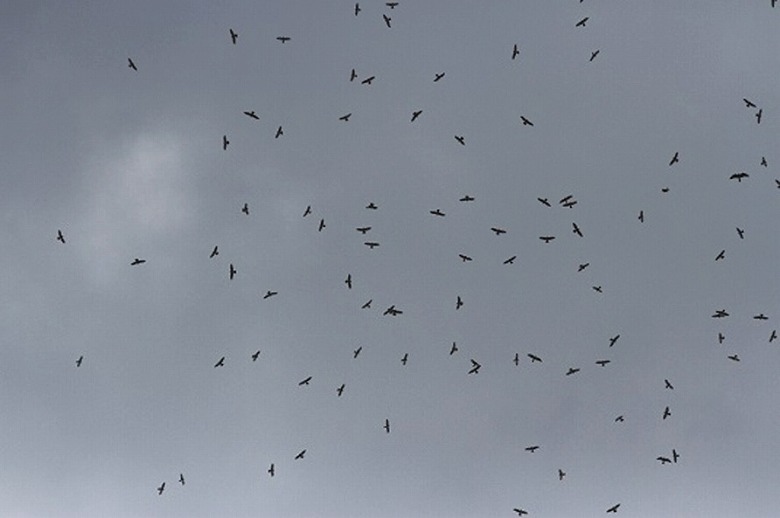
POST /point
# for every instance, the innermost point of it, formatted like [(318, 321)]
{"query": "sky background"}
[(130, 164)]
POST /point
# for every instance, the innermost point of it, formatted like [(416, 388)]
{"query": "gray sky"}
[(130, 164)]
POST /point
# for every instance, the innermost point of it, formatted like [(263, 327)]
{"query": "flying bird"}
[(534, 358), (734, 357), (464, 258), (641, 216), (371, 244), (232, 271), (346, 117), (739, 176), (300, 455), (748, 103), (161, 488), (367, 304), (613, 509), (363, 230), (760, 316), (283, 39), (547, 239), (475, 366), (741, 233), (348, 281), (137, 261), (720, 313), (279, 132), (387, 20), (372, 206), (526, 122), (576, 229), (225, 142), (582, 266), (340, 390), (544, 201), (572, 370), (181, 478), (322, 225), (668, 385), (353, 75), (619, 419), (437, 77), (663, 460), (613, 340), (561, 474), (307, 211), (405, 359), (721, 338), (271, 470), (437, 212), (498, 231), (220, 363), (515, 51), (81, 359), (467, 198), (416, 114), (131, 64), (304, 382), (453, 349), (763, 161), (674, 159), (461, 139), (392, 311), (516, 360), (602, 363), (594, 54), (368, 80), (356, 352), (458, 303), (675, 455), (581, 23), (233, 36), (520, 512), (255, 356), (60, 237), (758, 115), (667, 413), (269, 294), (387, 426), (721, 255), (532, 449), (773, 336), (357, 9), (252, 115), (214, 252), (245, 209), (391, 5), (511, 260)]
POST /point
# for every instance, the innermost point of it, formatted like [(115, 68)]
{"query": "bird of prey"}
[(225, 142), (594, 54), (437, 77), (372, 206), (269, 294), (353, 75), (760, 316), (214, 252), (371, 244), (668, 385), (453, 349), (304, 382), (252, 115), (387, 426), (602, 363), (520, 512), (368, 80), (547, 239), (511, 260), (582, 266), (322, 225), (561, 474), (233, 36), (475, 366), (526, 122), (60, 237), (613, 340), (279, 132), (576, 229), (515, 51), (675, 455), (721, 255), (763, 161), (464, 258), (81, 359), (387, 20), (348, 281), (363, 230), (734, 357), (232, 271), (663, 460), (357, 9), (517, 359), (613, 509), (741, 233), (534, 358), (220, 363), (130, 64), (307, 211), (340, 390), (748, 103), (581, 23), (181, 478), (161, 488), (461, 139), (720, 313), (405, 359), (300, 455), (467, 198), (283, 39), (619, 419), (532, 449), (346, 117), (255, 356), (391, 5), (675, 158), (641, 216), (570, 204), (437, 212), (667, 413), (572, 370), (565, 199), (245, 209), (721, 338), (137, 261), (498, 231), (758, 115), (773, 336), (739, 176), (458, 303), (392, 311), (356, 352), (416, 114), (544, 201), (777, 182), (367, 304), (271, 470)]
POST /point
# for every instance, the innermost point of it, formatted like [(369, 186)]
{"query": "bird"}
[(322, 225), (511, 260), (763, 161), (619, 419), (721, 338), (232, 271), (498, 231), (367, 304), (582, 266), (664, 189), (515, 51), (352, 75), (387, 426), (130, 64), (516, 360), (547, 239), (405, 359), (572, 370), (675, 455), (391, 5), (475, 366), (576, 229), (544, 201), (340, 390), (252, 115), (437, 77), (760, 316), (304, 382), (534, 358), (371, 244), (748, 103), (372, 206), (161, 488), (137, 261), (300, 455), (368, 80), (594, 54), (675, 158), (721, 255), (602, 363), (641, 216), (453, 349), (363, 230), (357, 9), (81, 359), (255, 356), (526, 122), (739, 176), (532, 449), (233, 36), (667, 413), (613, 509), (220, 363), (245, 209), (720, 313), (387, 20), (663, 460), (461, 139), (271, 470), (225, 142), (581, 23), (356, 352), (60, 237), (734, 357), (773, 336), (458, 303), (307, 211), (467, 198), (346, 117), (416, 114), (348, 281), (758, 115), (561, 474), (279, 132), (520, 512), (269, 294), (283, 39), (777, 182), (741, 233), (464, 258), (437, 212), (613, 340), (392, 311), (668, 385), (214, 252), (181, 478)]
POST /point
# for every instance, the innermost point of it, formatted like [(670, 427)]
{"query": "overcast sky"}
[(130, 164)]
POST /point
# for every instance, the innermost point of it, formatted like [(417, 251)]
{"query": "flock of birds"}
[(568, 201)]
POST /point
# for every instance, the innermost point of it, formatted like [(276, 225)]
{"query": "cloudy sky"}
[(130, 164)]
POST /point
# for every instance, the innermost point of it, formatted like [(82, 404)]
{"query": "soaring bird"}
[(233, 36), (675, 158), (357, 9), (581, 23), (348, 281), (81, 359), (214, 252), (60, 237), (255, 356), (613, 340), (582, 266), (532, 449), (161, 488), (498, 231), (387, 426), (520, 512), (416, 114), (304, 382), (307, 211), (232, 271), (641, 216), (437, 212), (721, 255), (279, 132), (220, 363), (225, 142), (340, 390), (741, 233), (576, 229), (526, 122), (130, 64), (405, 359), (453, 349), (245, 209), (594, 54), (458, 303), (668, 385), (271, 470), (461, 139), (137, 261), (467, 198), (367, 304), (515, 51), (387, 20), (300, 455), (283, 39), (544, 201), (356, 352), (438, 77), (675, 455), (613, 509), (269, 294), (181, 478), (252, 115), (748, 103), (667, 413), (572, 370), (346, 117), (561, 474), (758, 115), (353, 75), (322, 225), (368, 80), (734, 357), (511, 260), (534, 358), (464, 258)]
